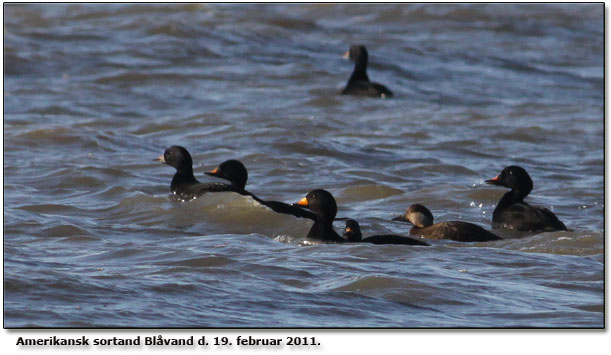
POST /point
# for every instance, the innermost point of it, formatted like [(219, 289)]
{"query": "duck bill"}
[(214, 172), (160, 159), (303, 202), (346, 55), (495, 181)]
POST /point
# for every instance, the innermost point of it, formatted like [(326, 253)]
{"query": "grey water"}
[(94, 92)]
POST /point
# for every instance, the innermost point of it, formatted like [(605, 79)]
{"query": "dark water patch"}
[(17, 285), (64, 231), (51, 110), (525, 134), (48, 208), (295, 283), (592, 308), (132, 78), (55, 136), (80, 239), (576, 286), (211, 261), (173, 288), (62, 37)]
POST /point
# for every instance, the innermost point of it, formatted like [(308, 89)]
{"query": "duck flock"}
[(511, 212)]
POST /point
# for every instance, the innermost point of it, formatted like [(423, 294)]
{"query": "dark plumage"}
[(359, 83), (352, 232), (236, 173), (184, 184), (233, 171), (422, 219), (513, 213), (324, 206)]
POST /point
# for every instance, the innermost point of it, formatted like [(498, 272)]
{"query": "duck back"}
[(524, 217), (392, 239), (455, 230)]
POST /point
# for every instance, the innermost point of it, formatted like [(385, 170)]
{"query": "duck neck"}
[(510, 198), (360, 72), (323, 230), (182, 177), (239, 185)]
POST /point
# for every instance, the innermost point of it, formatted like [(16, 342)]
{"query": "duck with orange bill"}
[(235, 172), (512, 212), (322, 203), (184, 184)]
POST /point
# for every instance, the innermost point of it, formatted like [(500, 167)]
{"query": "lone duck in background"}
[(359, 83), (324, 206), (184, 184), (352, 233), (513, 213), (236, 173), (459, 231)]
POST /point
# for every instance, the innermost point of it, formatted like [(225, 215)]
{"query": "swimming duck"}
[(184, 184), (512, 212), (359, 83), (234, 171), (352, 232), (322, 203), (422, 219)]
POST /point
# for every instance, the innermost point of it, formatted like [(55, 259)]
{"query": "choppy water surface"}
[(92, 93)]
